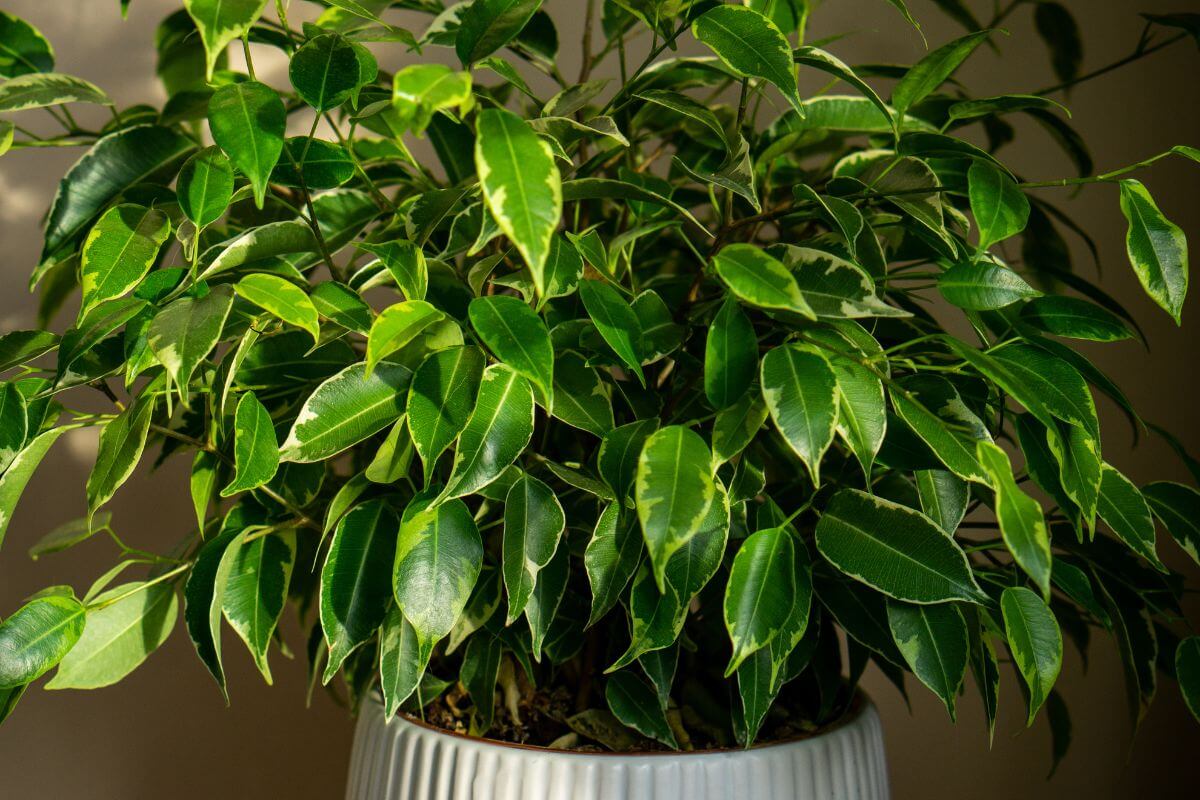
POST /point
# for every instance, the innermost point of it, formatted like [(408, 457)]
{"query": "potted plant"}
[(602, 447)]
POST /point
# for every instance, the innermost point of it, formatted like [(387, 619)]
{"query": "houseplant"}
[(605, 426)]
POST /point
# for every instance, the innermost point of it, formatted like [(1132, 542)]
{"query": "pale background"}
[(164, 731)]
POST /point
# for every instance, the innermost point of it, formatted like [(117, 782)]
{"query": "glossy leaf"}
[(533, 523), (933, 641), (730, 356), (760, 592), (205, 186), (255, 449), (517, 336), (325, 71), (800, 389), (247, 121), (751, 45), (121, 444), (632, 701), (283, 299), (487, 25), (185, 332), (931, 71), (1035, 642), (396, 326), (1178, 507), (1157, 249), (37, 636), (441, 399), (616, 322), (221, 22), (983, 286), (499, 428), (759, 280), (1000, 207), (1020, 516), (119, 251), (1124, 509)]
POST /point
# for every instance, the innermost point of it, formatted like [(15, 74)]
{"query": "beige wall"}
[(164, 732)]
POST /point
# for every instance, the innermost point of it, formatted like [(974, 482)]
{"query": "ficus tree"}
[(638, 390)]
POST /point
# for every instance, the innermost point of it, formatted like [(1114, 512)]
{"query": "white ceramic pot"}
[(407, 760)]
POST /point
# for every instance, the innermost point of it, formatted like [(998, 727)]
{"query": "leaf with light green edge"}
[(247, 121), (393, 458), (533, 524), (1035, 642), (950, 431), (14, 423), (674, 489), (1125, 510), (894, 549), (833, 287), (202, 484), (96, 326), (356, 579), (757, 691), (121, 444), (547, 597), (1074, 318), (800, 389), (620, 449), (1187, 671), (255, 449), (606, 188), (205, 186), (69, 534), (862, 407), (481, 607), (924, 77), (730, 356), (257, 244), (499, 429), (1178, 508), (517, 336), (344, 410), (401, 661), (1022, 524), (256, 589), (283, 299), (983, 285), (760, 280), (1157, 249), (760, 593), (183, 333), (634, 703), (521, 186), (816, 58), (439, 554), (45, 89), (24, 49), (616, 321), (610, 559), (202, 599), (1001, 209), (324, 71), (479, 673), (421, 90), (581, 398), (341, 305), (440, 400), (22, 347), (406, 264), (37, 636), (687, 107), (485, 26), (839, 213), (944, 497), (933, 641), (396, 326), (968, 110), (221, 22), (119, 251), (563, 270), (114, 163), (751, 46), (20, 470), (1079, 467)]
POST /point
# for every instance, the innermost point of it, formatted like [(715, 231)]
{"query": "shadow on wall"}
[(165, 726)]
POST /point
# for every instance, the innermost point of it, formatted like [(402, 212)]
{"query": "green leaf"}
[(203, 592), (951, 432), (308, 163), (498, 430), (487, 25), (356, 579), (421, 90), (257, 245), (283, 299), (1079, 467), (1074, 318), (894, 549), (406, 263), (21, 347), (1020, 516), (121, 444), (396, 326), (800, 389), (1035, 642), (221, 22), (185, 332), (735, 427), (346, 409), (14, 423), (438, 558), (862, 409), (37, 637), (606, 188), (69, 534), (760, 593), (611, 557), (479, 673), (1001, 209), (1157, 249), (42, 89), (517, 336), (440, 400), (247, 121), (1003, 104), (325, 71), (342, 306), (751, 45), (255, 449), (933, 70), (1125, 510), (393, 458), (533, 523), (401, 661), (933, 641), (617, 459), (116, 162), (730, 356), (616, 322), (256, 589), (547, 596), (1187, 670), (1178, 507), (983, 286), (833, 287), (581, 397), (20, 470), (760, 280), (205, 186), (634, 703), (521, 184), (675, 490), (124, 626), (24, 48)]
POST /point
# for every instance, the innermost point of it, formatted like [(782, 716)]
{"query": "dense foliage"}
[(624, 411)]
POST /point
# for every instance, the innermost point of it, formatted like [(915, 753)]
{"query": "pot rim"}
[(858, 707)]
